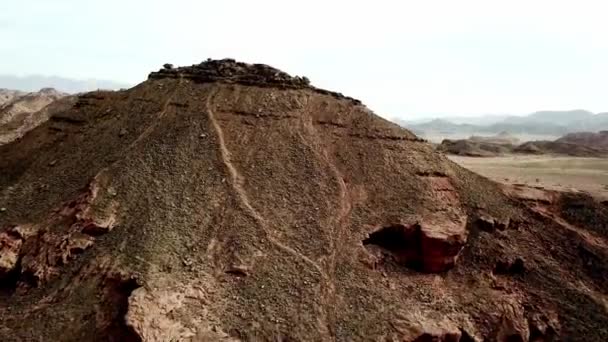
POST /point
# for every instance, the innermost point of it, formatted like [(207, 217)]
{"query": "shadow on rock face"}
[(117, 291), (419, 247)]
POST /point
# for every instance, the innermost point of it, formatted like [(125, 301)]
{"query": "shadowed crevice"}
[(400, 241)]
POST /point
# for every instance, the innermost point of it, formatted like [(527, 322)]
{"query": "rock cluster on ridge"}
[(230, 71)]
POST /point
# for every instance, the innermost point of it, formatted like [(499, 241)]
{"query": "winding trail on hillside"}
[(146, 132), (237, 185), (345, 200), (339, 223), (161, 114)]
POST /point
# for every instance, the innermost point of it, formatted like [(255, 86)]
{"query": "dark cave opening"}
[(118, 291), (401, 242), (394, 238)]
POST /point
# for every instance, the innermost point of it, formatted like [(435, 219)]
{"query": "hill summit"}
[(230, 71), (230, 201)]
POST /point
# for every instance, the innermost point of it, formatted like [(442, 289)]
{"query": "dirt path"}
[(237, 184)]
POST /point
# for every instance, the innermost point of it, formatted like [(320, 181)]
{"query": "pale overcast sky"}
[(407, 59)]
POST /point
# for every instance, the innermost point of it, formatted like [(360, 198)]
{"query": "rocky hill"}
[(502, 138), (28, 103), (560, 148), (474, 148), (227, 201), (8, 95), (575, 145), (597, 140), (24, 111)]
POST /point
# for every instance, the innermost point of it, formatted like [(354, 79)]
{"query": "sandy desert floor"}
[(551, 172)]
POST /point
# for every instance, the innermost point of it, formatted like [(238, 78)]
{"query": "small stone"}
[(122, 132), (52, 163), (239, 270), (486, 223), (202, 135), (518, 266), (2, 210), (503, 224), (510, 266)]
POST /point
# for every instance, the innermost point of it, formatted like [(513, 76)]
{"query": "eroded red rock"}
[(431, 327), (429, 246), (10, 247), (442, 240), (42, 248), (544, 326), (513, 326)]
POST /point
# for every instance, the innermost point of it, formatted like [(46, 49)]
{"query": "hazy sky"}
[(402, 58)]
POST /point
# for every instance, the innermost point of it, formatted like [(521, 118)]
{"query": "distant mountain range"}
[(583, 144), (555, 123), (34, 83)]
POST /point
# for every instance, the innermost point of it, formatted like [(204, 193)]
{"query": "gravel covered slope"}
[(188, 209)]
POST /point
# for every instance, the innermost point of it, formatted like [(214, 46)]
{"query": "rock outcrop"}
[(231, 71), (474, 148), (10, 246), (491, 224), (233, 202), (432, 246)]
